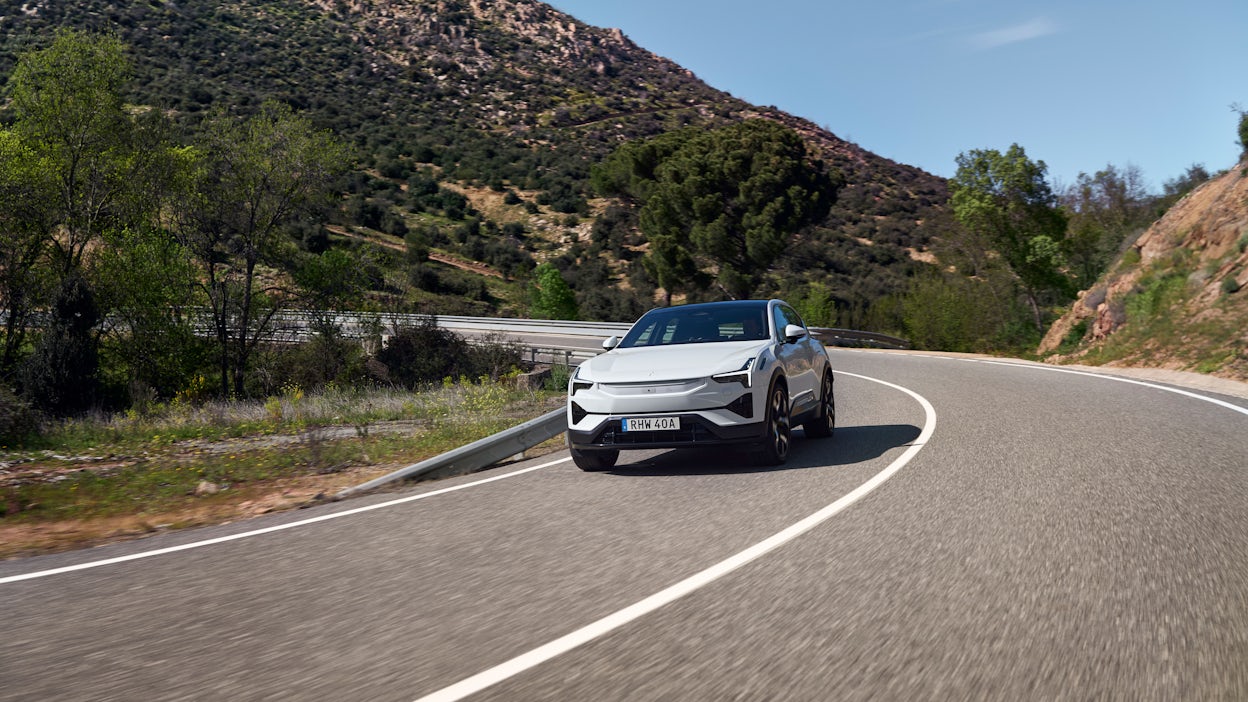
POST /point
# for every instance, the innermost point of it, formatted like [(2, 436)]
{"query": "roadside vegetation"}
[(1161, 328), (103, 476)]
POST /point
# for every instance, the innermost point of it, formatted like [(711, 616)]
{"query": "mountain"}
[(475, 124), (1177, 298)]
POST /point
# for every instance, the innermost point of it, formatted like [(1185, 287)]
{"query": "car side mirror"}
[(611, 343), (793, 332)]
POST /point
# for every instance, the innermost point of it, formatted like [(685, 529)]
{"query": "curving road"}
[(975, 530)]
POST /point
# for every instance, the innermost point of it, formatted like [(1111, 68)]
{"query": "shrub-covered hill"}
[(1177, 298), (475, 124)]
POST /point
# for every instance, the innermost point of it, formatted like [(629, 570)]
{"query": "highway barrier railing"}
[(477, 455), (854, 338), (291, 326)]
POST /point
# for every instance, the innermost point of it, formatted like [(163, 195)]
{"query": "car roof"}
[(741, 304)]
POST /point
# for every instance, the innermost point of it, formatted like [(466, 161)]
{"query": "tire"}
[(593, 461), (778, 438), (824, 424)]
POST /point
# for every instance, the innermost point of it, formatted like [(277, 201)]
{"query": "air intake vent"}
[(743, 406)]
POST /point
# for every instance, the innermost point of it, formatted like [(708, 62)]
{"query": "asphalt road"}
[(1036, 534)]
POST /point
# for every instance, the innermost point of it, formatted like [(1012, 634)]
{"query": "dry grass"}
[(123, 476)]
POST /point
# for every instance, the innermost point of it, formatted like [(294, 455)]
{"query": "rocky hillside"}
[(476, 122), (1178, 297)]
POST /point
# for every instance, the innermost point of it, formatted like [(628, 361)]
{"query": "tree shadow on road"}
[(849, 446)]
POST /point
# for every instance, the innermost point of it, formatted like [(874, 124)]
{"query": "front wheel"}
[(777, 441), (825, 423), (593, 461)]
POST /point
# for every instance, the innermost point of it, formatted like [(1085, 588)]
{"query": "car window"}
[(698, 325), (777, 316), (657, 331), (791, 316)]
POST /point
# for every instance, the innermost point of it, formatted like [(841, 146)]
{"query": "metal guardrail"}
[(360, 323), (853, 338), (558, 355), (477, 455), (297, 325), (354, 320)]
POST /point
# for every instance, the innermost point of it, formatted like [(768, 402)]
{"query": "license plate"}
[(650, 423)]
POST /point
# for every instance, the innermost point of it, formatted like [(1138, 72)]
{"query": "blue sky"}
[(1078, 84)]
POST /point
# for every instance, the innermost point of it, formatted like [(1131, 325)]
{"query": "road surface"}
[(975, 530)]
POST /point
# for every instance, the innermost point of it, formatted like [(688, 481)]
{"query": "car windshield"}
[(699, 324)]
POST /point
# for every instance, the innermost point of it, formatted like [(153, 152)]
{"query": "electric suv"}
[(741, 372)]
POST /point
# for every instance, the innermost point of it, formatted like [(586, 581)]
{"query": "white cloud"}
[(1014, 34)]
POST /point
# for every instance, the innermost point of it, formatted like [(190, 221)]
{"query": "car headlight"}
[(741, 375), (577, 383)]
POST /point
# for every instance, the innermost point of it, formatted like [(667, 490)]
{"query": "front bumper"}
[(695, 430)]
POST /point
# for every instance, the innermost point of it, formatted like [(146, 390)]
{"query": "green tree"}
[(78, 166), (1104, 209), (254, 177), (334, 279), (551, 296), (631, 172), (1005, 198), (719, 204), (146, 280), (816, 305), (69, 111), (1243, 130), (945, 312), (1174, 189), (26, 225)]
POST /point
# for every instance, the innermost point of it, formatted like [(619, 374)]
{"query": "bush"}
[(421, 354), (18, 420), (392, 223), (328, 359), (1154, 295), (494, 356), (443, 281), (611, 304), (551, 296), (316, 240), (424, 354), (1074, 337)]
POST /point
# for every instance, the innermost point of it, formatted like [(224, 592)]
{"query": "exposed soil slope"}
[(1178, 298)]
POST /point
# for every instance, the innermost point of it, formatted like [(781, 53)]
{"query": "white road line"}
[(269, 530), (1120, 379), (566, 643)]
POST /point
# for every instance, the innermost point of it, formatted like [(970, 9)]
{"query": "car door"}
[(800, 359)]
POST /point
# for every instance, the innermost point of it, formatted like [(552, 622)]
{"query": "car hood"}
[(661, 363)]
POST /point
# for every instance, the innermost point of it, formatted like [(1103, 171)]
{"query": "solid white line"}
[(268, 530), (1120, 379), (566, 643)]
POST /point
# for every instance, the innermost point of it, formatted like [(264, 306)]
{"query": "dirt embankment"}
[(1204, 238)]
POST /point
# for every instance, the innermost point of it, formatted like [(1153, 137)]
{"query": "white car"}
[(741, 372)]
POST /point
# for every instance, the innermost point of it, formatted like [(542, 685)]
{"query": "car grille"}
[(690, 432)]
